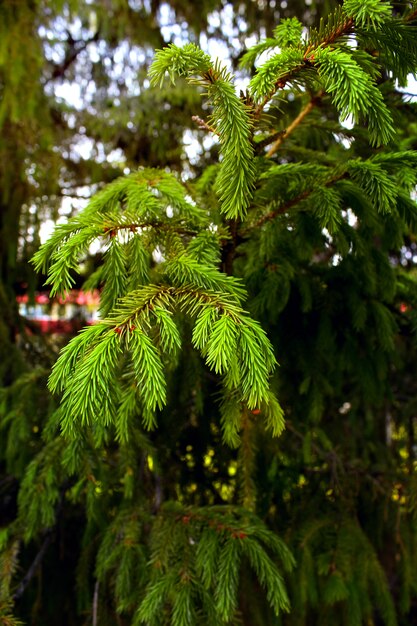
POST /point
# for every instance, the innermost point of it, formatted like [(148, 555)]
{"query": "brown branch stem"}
[(95, 602), (134, 226), (293, 202), (246, 458), (279, 84), (411, 16), (203, 125), (296, 122), (34, 566)]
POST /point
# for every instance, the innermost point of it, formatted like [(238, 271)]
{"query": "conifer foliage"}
[(196, 506)]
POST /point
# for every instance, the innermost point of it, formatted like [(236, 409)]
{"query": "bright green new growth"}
[(345, 73), (142, 332), (354, 93), (230, 119), (288, 32), (368, 13), (138, 333)]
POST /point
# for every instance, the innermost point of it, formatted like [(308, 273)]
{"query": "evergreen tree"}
[(188, 494)]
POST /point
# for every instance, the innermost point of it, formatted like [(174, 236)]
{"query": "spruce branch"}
[(250, 56), (284, 208), (201, 549), (168, 562), (230, 119), (372, 176), (274, 75), (10, 548), (354, 92), (230, 341), (292, 64), (410, 17), (368, 13), (345, 74), (335, 28), (48, 535)]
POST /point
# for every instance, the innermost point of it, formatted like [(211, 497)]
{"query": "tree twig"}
[(296, 122), (49, 535), (95, 602), (71, 56), (204, 125), (32, 569), (293, 202)]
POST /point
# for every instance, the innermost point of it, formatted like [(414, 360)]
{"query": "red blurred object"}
[(56, 326), (60, 315)]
